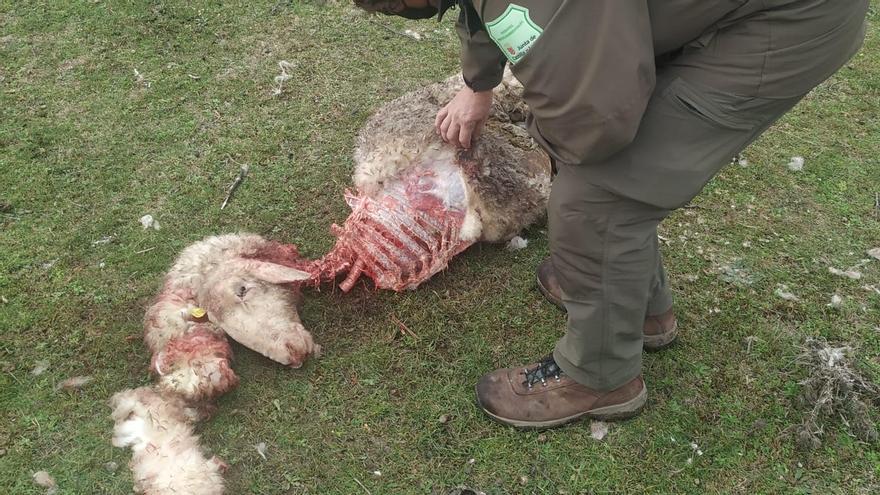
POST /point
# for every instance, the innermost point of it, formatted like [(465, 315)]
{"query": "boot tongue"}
[(545, 370)]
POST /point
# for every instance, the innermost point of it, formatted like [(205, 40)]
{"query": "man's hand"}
[(462, 119)]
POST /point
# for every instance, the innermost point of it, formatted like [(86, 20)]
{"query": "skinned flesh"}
[(406, 232)]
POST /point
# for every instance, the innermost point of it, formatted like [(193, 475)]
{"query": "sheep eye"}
[(241, 291)]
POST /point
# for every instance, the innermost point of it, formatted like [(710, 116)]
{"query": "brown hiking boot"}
[(542, 396), (659, 331), (548, 284)]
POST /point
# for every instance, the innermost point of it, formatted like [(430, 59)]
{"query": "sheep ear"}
[(273, 272)]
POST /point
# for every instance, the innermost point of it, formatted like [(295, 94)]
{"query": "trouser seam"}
[(603, 379)]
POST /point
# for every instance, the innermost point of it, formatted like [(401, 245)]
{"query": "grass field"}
[(87, 147)]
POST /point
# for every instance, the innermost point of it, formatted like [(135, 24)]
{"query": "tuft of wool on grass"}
[(73, 383), (874, 253), (148, 222), (736, 273), (261, 449), (280, 79), (40, 367), (796, 164), (850, 274), (782, 291), (107, 239), (140, 79), (45, 480), (517, 243), (598, 429), (413, 34), (836, 302), (834, 389), (750, 341)]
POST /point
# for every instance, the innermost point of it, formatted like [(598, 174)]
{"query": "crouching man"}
[(639, 103)]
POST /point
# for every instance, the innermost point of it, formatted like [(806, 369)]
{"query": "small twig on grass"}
[(142, 251), (877, 204), (404, 328), (242, 173), (361, 485), (412, 35), (14, 377)]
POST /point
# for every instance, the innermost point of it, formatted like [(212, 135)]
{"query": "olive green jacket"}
[(589, 66)]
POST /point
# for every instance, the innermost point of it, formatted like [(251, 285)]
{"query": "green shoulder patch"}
[(514, 32)]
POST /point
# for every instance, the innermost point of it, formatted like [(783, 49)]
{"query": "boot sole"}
[(615, 412), (650, 342)]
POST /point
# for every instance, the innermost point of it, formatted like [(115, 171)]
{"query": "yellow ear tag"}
[(197, 313)]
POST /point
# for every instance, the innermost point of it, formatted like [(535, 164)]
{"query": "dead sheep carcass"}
[(419, 201)]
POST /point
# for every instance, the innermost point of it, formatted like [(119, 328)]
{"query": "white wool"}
[(183, 380), (381, 165), (73, 383), (40, 367), (850, 274), (190, 380), (148, 222), (796, 164), (509, 82), (833, 355), (836, 301), (782, 291), (261, 449), (201, 257), (472, 226), (598, 429), (280, 79), (166, 458), (140, 79), (517, 243), (168, 318), (131, 433), (107, 239), (874, 253), (44, 479)]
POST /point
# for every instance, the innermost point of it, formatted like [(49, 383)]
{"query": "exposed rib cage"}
[(398, 239)]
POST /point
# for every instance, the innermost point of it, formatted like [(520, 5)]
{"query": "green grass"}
[(86, 149)]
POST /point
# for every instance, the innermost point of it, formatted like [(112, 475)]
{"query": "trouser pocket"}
[(717, 108), (688, 133)]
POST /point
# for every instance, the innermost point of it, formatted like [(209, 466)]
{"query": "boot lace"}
[(546, 370)]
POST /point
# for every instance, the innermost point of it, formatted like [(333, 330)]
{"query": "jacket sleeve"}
[(482, 63), (588, 78)]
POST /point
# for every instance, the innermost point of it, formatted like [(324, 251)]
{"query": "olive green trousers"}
[(711, 100)]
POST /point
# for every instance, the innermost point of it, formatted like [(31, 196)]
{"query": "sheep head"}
[(255, 303)]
